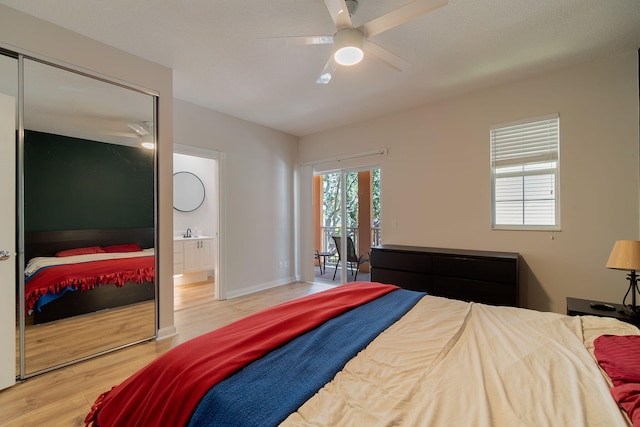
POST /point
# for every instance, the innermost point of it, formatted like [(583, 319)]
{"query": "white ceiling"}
[(220, 61)]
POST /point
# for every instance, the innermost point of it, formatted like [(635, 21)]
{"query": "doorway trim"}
[(220, 241)]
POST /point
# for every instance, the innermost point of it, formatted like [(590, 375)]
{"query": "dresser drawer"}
[(403, 261), (404, 279), (494, 270), (475, 290)]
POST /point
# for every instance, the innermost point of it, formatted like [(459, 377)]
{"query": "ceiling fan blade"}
[(139, 129), (298, 40), (383, 55), (339, 13), (399, 16), (120, 134), (328, 71)]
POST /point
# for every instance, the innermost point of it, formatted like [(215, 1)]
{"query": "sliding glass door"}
[(347, 205)]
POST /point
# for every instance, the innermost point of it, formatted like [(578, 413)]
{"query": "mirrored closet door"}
[(8, 127), (87, 217)]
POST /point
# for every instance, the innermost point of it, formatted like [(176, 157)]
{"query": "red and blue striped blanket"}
[(259, 369)]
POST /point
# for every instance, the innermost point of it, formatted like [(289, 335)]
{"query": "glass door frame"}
[(343, 173)]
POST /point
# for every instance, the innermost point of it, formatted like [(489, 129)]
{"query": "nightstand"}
[(582, 307)]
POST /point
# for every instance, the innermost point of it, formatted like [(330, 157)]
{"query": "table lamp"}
[(625, 255)]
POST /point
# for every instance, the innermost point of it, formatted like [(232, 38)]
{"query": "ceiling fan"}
[(351, 42), (143, 133)]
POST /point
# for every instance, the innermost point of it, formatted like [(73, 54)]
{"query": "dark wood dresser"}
[(479, 276)]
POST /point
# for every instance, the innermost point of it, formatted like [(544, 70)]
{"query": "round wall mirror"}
[(188, 192)]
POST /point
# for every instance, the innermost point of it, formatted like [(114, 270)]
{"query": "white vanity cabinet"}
[(178, 257), (193, 258), (198, 255)]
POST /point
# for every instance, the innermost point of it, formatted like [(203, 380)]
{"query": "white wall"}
[(205, 218), (26, 33), (257, 175), (436, 176)]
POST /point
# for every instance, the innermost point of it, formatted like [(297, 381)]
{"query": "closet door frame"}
[(8, 257), (19, 189)]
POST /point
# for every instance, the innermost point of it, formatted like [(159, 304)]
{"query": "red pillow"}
[(129, 247), (618, 356), (628, 397), (81, 251)]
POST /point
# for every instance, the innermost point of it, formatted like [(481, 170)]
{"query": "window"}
[(525, 158)]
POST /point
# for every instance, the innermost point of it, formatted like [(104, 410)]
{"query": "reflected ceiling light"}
[(348, 43), (324, 78), (147, 142)]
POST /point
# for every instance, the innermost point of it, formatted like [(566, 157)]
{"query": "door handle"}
[(4, 255)]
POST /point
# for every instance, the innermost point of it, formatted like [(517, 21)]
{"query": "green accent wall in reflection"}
[(73, 183)]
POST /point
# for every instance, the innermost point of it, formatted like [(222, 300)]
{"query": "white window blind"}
[(525, 158)]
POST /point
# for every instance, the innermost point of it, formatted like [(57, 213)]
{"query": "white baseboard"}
[(259, 287), (168, 332), (187, 278)]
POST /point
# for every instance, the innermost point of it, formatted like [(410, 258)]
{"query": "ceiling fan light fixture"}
[(349, 55), (348, 43)]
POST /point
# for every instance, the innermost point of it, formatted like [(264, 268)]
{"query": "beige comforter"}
[(450, 363)]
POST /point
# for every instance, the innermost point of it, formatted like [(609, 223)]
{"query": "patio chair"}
[(352, 257)]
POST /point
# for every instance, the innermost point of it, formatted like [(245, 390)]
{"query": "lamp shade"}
[(625, 255)]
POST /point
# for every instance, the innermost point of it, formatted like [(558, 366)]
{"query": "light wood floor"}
[(61, 341), (64, 397)]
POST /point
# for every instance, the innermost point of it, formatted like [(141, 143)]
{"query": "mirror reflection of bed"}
[(87, 183), (116, 308)]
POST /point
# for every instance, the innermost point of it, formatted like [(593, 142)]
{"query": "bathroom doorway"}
[(196, 225)]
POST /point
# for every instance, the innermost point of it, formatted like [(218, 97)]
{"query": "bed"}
[(101, 269), (374, 354)]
